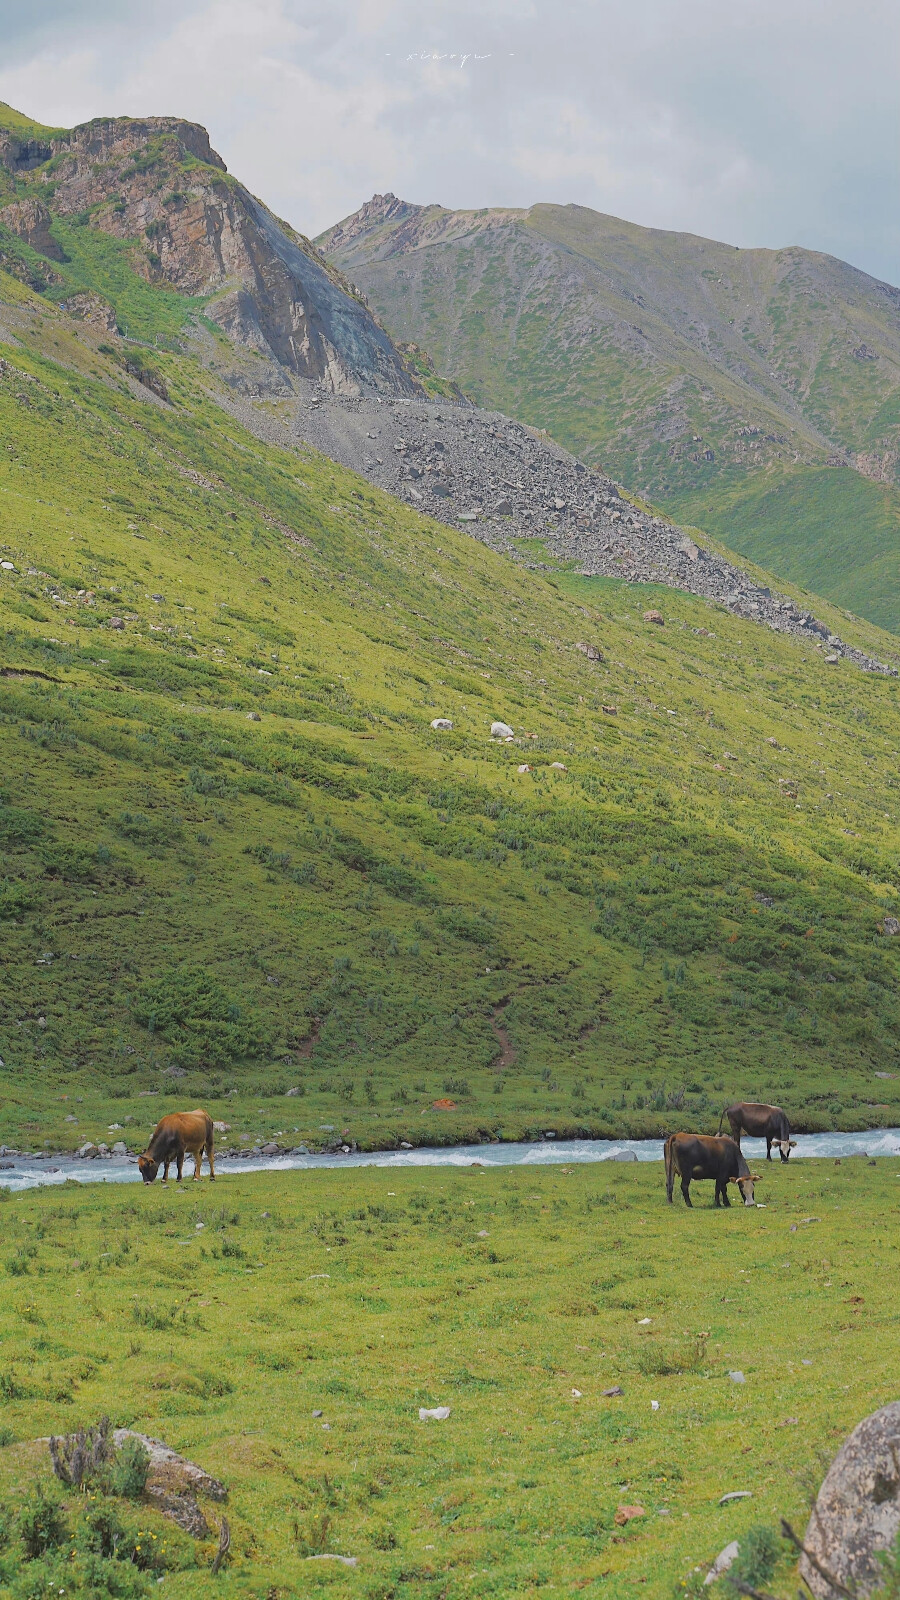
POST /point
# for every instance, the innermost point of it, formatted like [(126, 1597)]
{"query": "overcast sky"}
[(760, 122)]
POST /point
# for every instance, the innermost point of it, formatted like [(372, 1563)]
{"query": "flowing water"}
[(28, 1172)]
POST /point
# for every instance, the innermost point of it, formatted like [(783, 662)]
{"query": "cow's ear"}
[(756, 1177)]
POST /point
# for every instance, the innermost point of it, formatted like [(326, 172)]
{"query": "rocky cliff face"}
[(158, 184)]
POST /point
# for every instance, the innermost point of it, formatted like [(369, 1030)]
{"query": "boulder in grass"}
[(591, 651), (655, 616), (857, 1512), (501, 730), (442, 725)]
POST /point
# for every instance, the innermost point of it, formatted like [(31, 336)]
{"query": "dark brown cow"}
[(760, 1122), (184, 1132), (701, 1155)]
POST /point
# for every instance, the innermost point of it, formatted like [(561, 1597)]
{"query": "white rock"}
[(442, 724), (524, 768), (7, 566), (722, 1562), (438, 1414), (737, 1377), (501, 730), (222, 1127), (654, 1405), (558, 766)]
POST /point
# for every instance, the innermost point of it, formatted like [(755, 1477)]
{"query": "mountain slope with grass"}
[(238, 859), (753, 393)]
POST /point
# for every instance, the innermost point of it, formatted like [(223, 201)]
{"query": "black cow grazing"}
[(760, 1122), (700, 1155)]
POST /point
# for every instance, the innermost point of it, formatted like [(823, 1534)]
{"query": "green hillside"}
[(238, 860), (731, 386)]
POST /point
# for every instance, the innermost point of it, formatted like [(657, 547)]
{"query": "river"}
[(30, 1172)]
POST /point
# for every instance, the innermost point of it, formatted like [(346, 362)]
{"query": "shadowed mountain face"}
[(158, 187), (731, 385)]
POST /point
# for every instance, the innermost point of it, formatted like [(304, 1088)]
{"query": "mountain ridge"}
[(695, 372)]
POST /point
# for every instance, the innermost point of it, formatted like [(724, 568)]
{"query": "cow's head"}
[(148, 1168), (785, 1146), (746, 1187)]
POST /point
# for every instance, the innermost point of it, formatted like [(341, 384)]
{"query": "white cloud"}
[(763, 121)]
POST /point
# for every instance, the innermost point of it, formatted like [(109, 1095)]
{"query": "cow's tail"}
[(669, 1158), (722, 1118)]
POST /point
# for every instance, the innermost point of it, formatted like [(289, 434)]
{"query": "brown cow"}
[(184, 1132), (700, 1155), (760, 1122)]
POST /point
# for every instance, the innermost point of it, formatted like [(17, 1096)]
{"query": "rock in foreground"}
[(857, 1512)]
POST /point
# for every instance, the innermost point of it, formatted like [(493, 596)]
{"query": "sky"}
[(758, 122)]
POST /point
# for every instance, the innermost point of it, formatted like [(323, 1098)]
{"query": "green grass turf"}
[(335, 898), (367, 1294), (831, 530)]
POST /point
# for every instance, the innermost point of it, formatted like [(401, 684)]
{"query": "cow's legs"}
[(723, 1190), (686, 1191), (166, 1170), (179, 1161), (768, 1147), (198, 1162), (209, 1157)]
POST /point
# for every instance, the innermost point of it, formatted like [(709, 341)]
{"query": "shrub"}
[(760, 1548), (41, 1524), (79, 1457), (127, 1474)]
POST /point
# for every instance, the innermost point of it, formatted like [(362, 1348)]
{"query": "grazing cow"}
[(182, 1133), (760, 1122), (700, 1155)]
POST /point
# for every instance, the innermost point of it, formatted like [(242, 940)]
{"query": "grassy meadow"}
[(237, 860), (224, 1319)]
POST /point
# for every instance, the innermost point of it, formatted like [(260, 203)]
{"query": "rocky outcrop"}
[(29, 220), (157, 184)]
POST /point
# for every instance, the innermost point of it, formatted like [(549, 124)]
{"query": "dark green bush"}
[(757, 1558), (41, 1523)]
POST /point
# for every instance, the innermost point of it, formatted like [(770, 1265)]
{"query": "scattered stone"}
[(609, 1394), (88, 1151), (655, 616), (120, 1148), (253, 716), (221, 1127), (622, 1155), (891, 926), (70, 1118), (654, 1405), (524, 767), (501, 730), (610, 711), (347, 1561), (591, 651), (7, 566), (503, 508), (442, 724), (271, 1149), (832, 660), (885, 1074), (723, 1561), (857, 1512), (437, 1414), (737, 1377), (736, 1494)]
